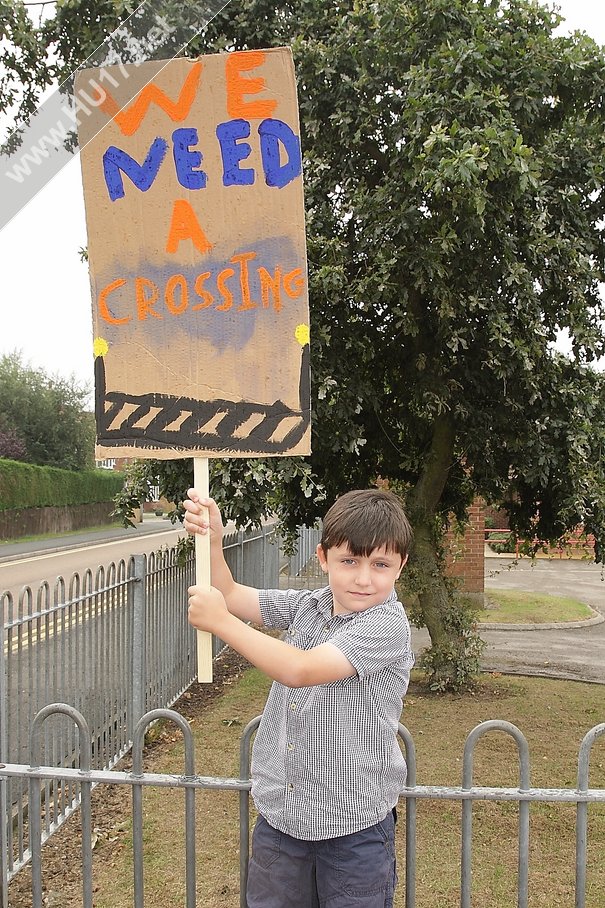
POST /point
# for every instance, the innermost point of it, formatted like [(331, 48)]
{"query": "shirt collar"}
[(324, 601)]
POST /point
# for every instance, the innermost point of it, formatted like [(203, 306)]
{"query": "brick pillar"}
[(465, 553)]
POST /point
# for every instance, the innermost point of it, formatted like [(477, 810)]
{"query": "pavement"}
[(11, 551), (574, 650)]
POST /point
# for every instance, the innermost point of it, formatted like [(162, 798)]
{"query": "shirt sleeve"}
[(278, 607), (377, 639)]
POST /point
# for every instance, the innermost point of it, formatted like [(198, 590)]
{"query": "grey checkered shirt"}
[(326, 761)]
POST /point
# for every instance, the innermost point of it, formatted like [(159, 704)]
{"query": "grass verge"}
[(553, 715), (519, 607), (66, 533)]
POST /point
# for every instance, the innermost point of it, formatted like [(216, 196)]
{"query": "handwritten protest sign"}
[(192, 177), (196, 241)]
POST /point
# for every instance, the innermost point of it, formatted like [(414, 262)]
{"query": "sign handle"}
[(201, 482)]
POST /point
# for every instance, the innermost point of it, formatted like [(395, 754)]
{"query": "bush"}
[(24, 485), (453, 664), (502, 542)]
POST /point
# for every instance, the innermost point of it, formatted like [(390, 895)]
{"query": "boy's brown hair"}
[(367, 519)]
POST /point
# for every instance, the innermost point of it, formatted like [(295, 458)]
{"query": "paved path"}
[(10, 551), (573, 651)]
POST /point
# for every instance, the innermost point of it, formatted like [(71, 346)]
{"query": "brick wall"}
[(15, 524), (498, 519), (465, 559)]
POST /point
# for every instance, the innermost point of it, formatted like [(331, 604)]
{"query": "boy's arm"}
[(241, 600), (293, 667)]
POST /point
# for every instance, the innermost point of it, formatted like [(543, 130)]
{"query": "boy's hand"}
[(207, 608), (202, 516)]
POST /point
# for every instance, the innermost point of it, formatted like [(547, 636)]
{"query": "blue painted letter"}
[(272, 132), (227, 134), (116, 161), (186, 160)]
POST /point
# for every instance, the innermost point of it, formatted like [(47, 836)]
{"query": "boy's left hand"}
[(207, 608)]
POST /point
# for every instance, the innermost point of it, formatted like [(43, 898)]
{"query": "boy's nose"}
[(363, 577)]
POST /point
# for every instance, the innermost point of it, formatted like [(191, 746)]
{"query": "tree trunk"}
[(422, 507), (453, 657), (433, 595)]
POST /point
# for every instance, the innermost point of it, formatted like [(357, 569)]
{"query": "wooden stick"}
[(201, 481)]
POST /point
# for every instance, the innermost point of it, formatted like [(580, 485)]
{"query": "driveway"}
[(574, 652)]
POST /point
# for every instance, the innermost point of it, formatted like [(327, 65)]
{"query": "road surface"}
[(575, 652)]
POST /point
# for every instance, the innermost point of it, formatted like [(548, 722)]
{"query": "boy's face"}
[(359, 582)]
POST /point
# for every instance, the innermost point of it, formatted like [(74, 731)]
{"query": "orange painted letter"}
[(294, 283), (238, 86), (201, 291), (146, 302), (224, 291), (174, 281), (244, 282), (130, 118), (270, 283), (185, 226), (103, 307)]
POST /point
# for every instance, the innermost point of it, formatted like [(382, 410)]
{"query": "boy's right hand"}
[(202, 515)]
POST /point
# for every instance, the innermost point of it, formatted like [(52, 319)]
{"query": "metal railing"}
[(303, 565), (114, 643), (503, 541), (122, 633), (524, 795)]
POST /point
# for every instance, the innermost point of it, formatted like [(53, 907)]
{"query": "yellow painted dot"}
[(302, 335), (100, 346)]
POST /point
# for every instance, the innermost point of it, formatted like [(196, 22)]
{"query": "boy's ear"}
[(321, 556)]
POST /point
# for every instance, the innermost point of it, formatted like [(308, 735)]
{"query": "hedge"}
[(23, 485)]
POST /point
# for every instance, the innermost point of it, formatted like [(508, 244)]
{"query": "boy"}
[(327, 768)]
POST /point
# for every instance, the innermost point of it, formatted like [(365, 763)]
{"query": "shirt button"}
[(290, 786), (292, 706), (290, 746)]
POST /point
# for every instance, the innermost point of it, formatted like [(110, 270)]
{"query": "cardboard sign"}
[(192, 178)]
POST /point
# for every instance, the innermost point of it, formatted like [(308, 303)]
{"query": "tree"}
[(44, 417), (454, 163), (24, 68), (12, 446)]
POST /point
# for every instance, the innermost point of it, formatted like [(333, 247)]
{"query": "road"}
[(36, 568), (62, 656)]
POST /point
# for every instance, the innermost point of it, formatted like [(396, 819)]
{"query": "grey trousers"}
[(352, 871)]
